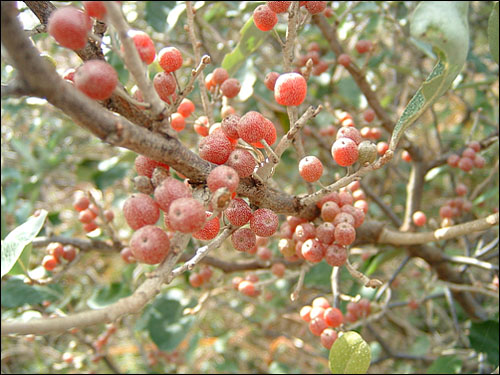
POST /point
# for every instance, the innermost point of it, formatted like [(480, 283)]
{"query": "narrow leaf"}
[(493, 32), (14, 243), (350, 354)]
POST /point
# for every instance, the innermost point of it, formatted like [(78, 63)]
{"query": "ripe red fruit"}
[(146, 166), (382, 148), (369, 115), (242, 162), (69, 253), (219, 75), (315, 7), (90, 227), (475, 145), (215, 148), (419, 218), (168, 191), (479, 161), (445, 212), (270, 80), (278, 6), (363, 46), (345, 234), (469, 153), (247, 287), (264, 222), (230, 88), (344, 60), (229, 126), (140, 210), (278, 269), (453, 160), (405, 155), (349, 132), (313, 250), (317, 326), (251, 127), (126, 255), (206, 273), (81, 203), (95, 9), (164, 84), (356, 213), (97, 79), (177, 122), (333, 317), (320, 302), (317, 312), (187, 215), (310, 168), (345, 152), (109, 215), (264, 18), (328, 337), (56, 249), (461, 189), (195, 280), (223, 176), (336, 255), (144, 46), (305, 231), (290, 89), (466, 164), (69, 26), (49, 262), (329, 210), (170, 59), (186, 108), (238, 212), (269, 134), (150, 245), (325, 233), (305, 312), (243, 239), (86, 216), (209, 230)]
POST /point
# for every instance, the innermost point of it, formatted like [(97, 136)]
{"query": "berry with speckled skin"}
[(209, 230), (270, 80), (238, 212), (264, 18), (144, 46), (345, 234), (140, 210), (219, 76), (345, 152), (164, 84), (243, 239), (278, 6), (149, 245), (290, 89), (97, 79), (223, 176), (230, 88), (215, 148), (310, 168), (69, 26), (242, 162), (313, 250), (325, 233), (252, 127), (350, 132), (315, 7), (170, 59), (186, 108), (229, 126), (187, 215), (146, 166), (329, 211), (264, 222), (168, 191), (336, 255)]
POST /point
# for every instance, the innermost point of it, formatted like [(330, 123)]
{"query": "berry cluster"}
[(455, 207), (469, 158), (313, 53), (265, 16), (322, 319), (197, 279), (246, 285), (358, 310), (56, 252), (218, 82), (88, 213)]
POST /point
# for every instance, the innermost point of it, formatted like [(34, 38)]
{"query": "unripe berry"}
[(336, 255), (286, 247), (264, 18), (223, 176), (69, 26), (367, 152), (310, 168), (242, 162), (164, 84), (97, 79), (215, 148), (363, 46), (270, 80), (238, 212), (140, 210), (186, 108), (144, 45), (290, 89), (345, 152), (230, 88), (328, 337), (344, 60), (243, 239), (187, 215), (95, 9), (150, 245), (345, 234), (264, 222), (278, 6), (170, 59), (209, 230), (315, 7)]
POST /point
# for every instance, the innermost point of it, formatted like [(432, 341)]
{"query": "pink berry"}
[(144, 46), (264, 18), (243, 239), (382, 148), (270, 80), (350, 132), (69, 26), (223, 176), (290, 89), (475, 145), (209, 230), (140, 210), (369, 115), (127, 256), (146, 166), (219, 75), (310, 168), (242, 162), (251, 127), (278, 6), (419, 218), (315, 7), (479, 161), (325, 233), (278, 269), (215, 148), (362, 205), (97, 79), (345, 234), (230, 88), (305, 231), (446, 212), (187, 215), (264, 253), (238, 212), (453, 160), (333, 317), (345, 152), (469, 153), (95, 9), (177, 122), (150, 245), (264, 222), (170, 59), (164, 84), (328, 337), (466, 164), (356, 213), (168, 191), (229, 126), (313, 251), (344, 60), (364, 46), (186, 108), (461, 189), (336, 255)]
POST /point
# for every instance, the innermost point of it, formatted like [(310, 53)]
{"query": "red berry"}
[(345, 234), (97, 79), (269, 134), (49, 262), (127, 256), (461, 189), (264, 253), (405, 155), (209, 230), (446, 212), (81, 203), (278, 269), (344, 60), (320, 302), (264, 222), (215, 148), (356, 213), (305, 231), (419, 218), (95, 9), (247, 287), (317, 312), (56, 249), (264, 18), (362, 205), (305, 312), (186, 108), (363, 46), (325, 233), (177, 122), (243, 239), (336, 255), (251, 127), (469, 153), (242, 162), (345, 152), (90, 227), (333, 317), (382, 148), (144, 46), (86, 216), (168, 191), (164, 84), (349, 132), (479, 161), (229, 126), (313, 250), (230, 88), (310, 168), (69, 253), (150, 245), (187, 215), (317, 326), (278, 6), (206, 273), (223, 176), (219, 76), (290, 89), (69, 26), (369, 115), (195, 280), (146, 166), (170, 59), (315, 7), (328, 337), (466, 164), (238, 212), (271, 77), (475, 145), (453, 160), (140, 210)]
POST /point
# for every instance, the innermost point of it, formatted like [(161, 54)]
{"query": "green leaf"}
[(156, 14), (22, 264), (16, 293), (350, 354), (483, 338), (15, 242), (444, 25), (108, 294), (493, 32), (446, 365), (251, 39)]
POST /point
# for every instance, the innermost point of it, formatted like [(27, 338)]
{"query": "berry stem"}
[(205, 60), (367, 282), (300, 283)]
